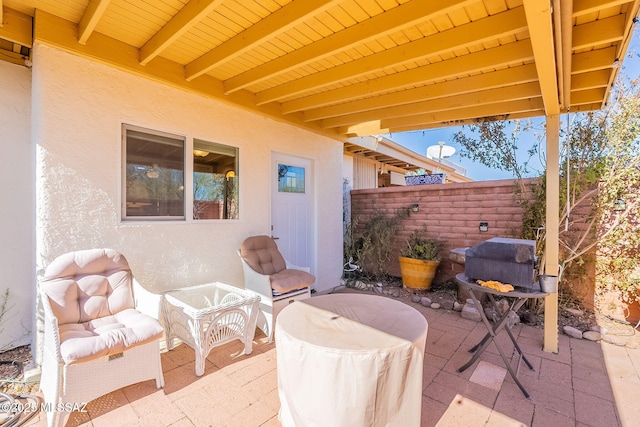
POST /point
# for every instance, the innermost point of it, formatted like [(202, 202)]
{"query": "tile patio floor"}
[(585, 384)]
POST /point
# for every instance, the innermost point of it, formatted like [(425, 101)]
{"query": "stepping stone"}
[(488, 375)]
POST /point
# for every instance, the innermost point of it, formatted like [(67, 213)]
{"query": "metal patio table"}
[(519, 296)]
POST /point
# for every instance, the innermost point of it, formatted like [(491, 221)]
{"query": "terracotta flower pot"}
[(417, 273)]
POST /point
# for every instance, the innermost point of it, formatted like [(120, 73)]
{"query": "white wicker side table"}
[(209, 315)]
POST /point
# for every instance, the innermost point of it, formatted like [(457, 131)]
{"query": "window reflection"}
[(154, 175), (215, 181)]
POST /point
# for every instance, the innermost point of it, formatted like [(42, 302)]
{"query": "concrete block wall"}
[(451, 212)]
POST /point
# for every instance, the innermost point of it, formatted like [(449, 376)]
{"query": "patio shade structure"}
[(347, 68)]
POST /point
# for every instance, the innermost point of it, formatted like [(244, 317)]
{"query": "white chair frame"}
[(271, 305), (82, 382)]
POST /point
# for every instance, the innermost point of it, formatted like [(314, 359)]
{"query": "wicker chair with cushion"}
[(277, 281), (95, 340)]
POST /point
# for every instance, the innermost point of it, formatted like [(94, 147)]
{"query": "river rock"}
[(529, 319), (416, 298), (457, 306), (435, 305), (447, 304), (591, 335), (426, 301), (572, 332)]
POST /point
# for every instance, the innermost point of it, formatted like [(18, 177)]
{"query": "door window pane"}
[(215, 181), (290, 179), (154, 174)]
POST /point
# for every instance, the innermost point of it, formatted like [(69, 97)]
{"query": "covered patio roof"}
[(349, 67), (346, 68)]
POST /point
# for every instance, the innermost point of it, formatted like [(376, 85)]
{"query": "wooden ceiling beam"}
[(363, 129), (484, 97), (589, 96), (591, 80), (586, 107), (566, 49), (480, 112), (460, 122), (12, 56), (492, 80), (541, 33), (593, 60), (90, 18), (475, 33), (395, 19), (192, 13), (17, 27), (599, 33), (502, 56), (584, 7), (357, 130), (277, 23)]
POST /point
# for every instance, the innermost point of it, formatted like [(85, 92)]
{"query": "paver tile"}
[(586, 384)]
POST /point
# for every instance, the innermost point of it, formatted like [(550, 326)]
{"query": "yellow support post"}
[(552, 223)]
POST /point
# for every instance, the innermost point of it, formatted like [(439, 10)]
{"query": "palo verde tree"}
[(600, 164)]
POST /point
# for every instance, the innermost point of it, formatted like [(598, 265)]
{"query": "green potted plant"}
[(419, 259)]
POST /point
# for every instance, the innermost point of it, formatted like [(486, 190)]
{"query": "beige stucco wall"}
[(77, 129), (16, 215)]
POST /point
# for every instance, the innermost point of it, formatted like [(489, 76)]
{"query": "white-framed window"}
[(153, 174), (157, 166)]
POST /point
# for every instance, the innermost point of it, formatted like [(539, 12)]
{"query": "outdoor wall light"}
[(619, 205), (415, 207), (484, 226)]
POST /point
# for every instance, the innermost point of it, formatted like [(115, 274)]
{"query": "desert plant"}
[(371, 244), (418, 246)]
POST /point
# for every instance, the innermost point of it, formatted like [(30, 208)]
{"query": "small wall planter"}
[(434, 178)]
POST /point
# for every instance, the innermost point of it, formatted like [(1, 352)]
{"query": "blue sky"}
[(419, 141)]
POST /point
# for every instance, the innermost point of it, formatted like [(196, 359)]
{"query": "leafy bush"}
[(418, 246)]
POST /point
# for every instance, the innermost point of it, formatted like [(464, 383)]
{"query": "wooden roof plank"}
[(402, 16), (276, 23), (484, 29)]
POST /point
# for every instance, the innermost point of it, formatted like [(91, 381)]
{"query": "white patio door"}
[(292, 208)]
